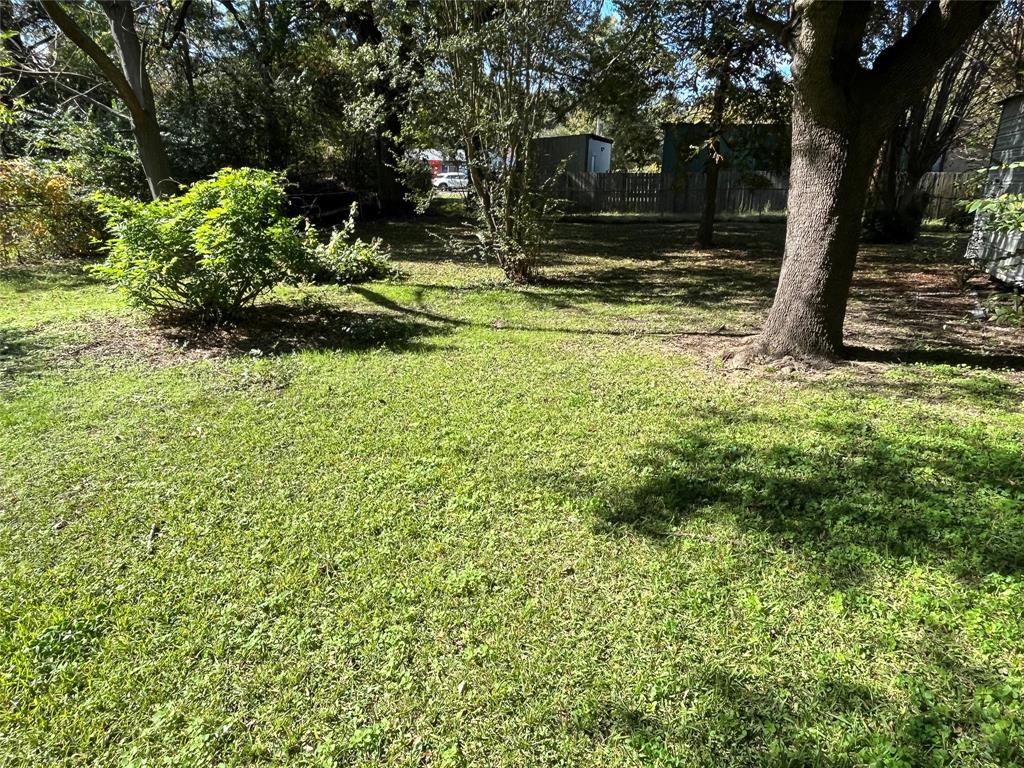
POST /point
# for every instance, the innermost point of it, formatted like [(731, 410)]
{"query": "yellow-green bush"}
[(207, 253), (42, 214)]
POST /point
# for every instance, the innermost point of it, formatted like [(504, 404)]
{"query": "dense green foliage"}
[(492, 80), (1003, 213), (206, 253), (465, 525), (43, 214), (346, 259)]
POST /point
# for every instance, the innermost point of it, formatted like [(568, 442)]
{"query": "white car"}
[(454, 180)]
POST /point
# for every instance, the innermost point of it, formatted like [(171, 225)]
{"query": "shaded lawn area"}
[(445, 522)]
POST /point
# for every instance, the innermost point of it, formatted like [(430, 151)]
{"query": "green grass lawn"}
[(444, 522)]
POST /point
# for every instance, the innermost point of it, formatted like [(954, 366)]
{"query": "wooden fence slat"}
[(671, 193), (946, 190), (663, 193)]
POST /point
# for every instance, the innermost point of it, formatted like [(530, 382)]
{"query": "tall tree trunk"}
[(392, 192), (131, 82), (828, 187), (706, 228), (841, 113), (131, 52), (391, 189), (922, 135)]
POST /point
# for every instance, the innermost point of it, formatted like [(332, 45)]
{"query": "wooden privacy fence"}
[(669, 193), (737, 192), (946, 190)]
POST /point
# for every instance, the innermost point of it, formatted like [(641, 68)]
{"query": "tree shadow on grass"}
[(980, 388), (654, 240), (19, 352), (842, 499), (265, 331), (277, 329), (841, 495), (737, 719), (453, 322), (938, 356), (678, 283)]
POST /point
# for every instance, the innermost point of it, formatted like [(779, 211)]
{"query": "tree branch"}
[(76, 35), (909, 65), (780, 31), (179, 23)]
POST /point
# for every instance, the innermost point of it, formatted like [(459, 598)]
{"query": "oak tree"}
[(842, 111)]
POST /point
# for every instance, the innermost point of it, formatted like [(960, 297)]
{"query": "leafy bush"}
[(42, 215), (1006, 310), (1003, 212), (346, 259), (899, 225), (206, 253), (100, 157)]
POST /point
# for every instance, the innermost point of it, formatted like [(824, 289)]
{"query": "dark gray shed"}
[(580, 153), (1001, 254)]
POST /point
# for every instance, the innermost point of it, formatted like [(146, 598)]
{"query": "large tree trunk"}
[(921, 136), (841, 113), (828, 184), (706, 228), (152, 152), (392, 192)]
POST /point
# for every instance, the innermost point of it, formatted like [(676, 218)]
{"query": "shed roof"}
[(576, 136)]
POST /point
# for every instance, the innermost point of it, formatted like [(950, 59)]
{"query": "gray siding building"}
[(1001, 254), (581, 153)]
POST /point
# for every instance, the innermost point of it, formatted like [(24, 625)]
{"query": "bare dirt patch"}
[(268, 330), (909, 304)]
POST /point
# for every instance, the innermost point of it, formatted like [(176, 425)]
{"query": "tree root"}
[(759, 353)]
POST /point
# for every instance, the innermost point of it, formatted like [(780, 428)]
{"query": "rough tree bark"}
[(131, 81), (841, 113)]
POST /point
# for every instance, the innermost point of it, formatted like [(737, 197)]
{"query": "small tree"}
[(380, 50), (729, 61), (726, 69), (921, 137), (495, 72), (622, 89)]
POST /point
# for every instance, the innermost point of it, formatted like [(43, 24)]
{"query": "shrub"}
[(206, 253), (1006, 310), (42, 214), (1000, 212), (346, 259), (99, 156), (899, 225)]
